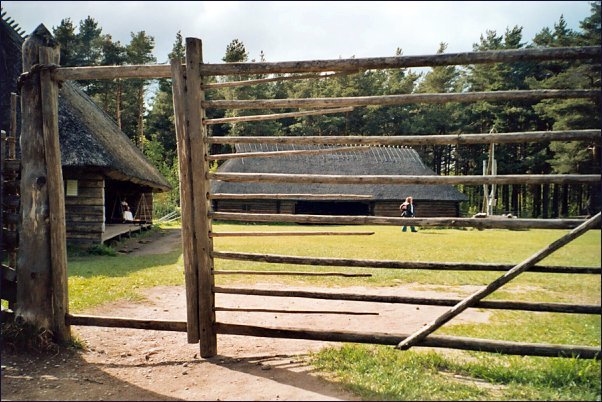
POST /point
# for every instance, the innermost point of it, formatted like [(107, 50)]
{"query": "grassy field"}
[(382, 373)]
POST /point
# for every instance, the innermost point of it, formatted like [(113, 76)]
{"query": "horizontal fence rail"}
[(393, 264), (479, 223), (444, 139), (496, 305), (315, 66), (289, 273), (284, 233), (278, 154), (434, 341), (270, 310), (391, 100), (275, 116), (266, 80), (290, 196), (124, 322), (406, 179)]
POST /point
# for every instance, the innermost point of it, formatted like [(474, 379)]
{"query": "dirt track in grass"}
[(130, 364)]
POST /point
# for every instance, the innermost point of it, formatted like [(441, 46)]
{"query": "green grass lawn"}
[(382, 373)]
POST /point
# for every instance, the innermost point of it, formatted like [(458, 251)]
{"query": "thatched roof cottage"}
[(101, 166), (384, 199)]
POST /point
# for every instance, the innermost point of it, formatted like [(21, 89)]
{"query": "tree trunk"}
[(118, 104), (515, 199), (141, 118), (536, 212), (555, 201), (545, 201), (564, 206)]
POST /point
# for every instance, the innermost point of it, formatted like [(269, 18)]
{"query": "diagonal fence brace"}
[(471, 300)]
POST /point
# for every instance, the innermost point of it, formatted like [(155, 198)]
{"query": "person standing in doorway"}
[(408, 211)]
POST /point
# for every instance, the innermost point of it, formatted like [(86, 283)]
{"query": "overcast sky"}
[(306, 30)]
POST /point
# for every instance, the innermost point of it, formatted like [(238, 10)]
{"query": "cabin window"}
[(71, 188)]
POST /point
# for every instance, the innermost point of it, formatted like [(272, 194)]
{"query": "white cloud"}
[(307, 30)]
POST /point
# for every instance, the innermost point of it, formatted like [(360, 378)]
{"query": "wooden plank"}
[(406, 99), (290, 196), (473, 299), (275, 116), (449, 342), (404, 179), (270, 310), (288, 273), (405, 140), (393, 264), (497, 304), (84, 201), (200, 188), (188, 246), (292, 233), (480, 223), (277, 154), (231, 84), (92, 227), (356, 64), (124, 322)]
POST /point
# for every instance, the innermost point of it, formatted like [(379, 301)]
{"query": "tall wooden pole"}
[(197, 135), (41, 277), (178, 82), (56, 195)]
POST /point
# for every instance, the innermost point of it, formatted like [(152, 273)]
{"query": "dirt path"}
[(127, 364)]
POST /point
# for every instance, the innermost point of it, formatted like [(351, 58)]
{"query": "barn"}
[(101, 166), (363, 199)]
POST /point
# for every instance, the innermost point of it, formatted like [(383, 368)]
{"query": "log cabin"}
[(101, 166), (363, 199)]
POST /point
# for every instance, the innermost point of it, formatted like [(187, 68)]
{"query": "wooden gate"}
[(189, 86)]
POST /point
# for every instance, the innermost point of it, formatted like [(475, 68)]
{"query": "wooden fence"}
[(193, 144)]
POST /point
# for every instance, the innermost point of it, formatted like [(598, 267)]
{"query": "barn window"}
[(71, 188)]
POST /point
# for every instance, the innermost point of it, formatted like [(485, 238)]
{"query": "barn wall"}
[(424, 209), (250, 206), (84, 213)]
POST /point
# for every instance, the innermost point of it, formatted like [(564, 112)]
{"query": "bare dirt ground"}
[(129, 364)]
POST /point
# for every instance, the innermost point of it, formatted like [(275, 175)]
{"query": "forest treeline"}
[(143, 109)]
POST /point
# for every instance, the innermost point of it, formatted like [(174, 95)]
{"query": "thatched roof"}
[(88, 137), (375, 161)]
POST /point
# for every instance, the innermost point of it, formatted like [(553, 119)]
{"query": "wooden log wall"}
[(424, 208), (85, 212)]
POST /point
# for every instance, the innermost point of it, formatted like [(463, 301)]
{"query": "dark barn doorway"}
[(331, 208)]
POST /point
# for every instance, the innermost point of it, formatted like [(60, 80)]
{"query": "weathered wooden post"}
[(178, 84), (42, 259), (199, 169)]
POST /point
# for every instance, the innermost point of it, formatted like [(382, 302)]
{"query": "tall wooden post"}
[(178, 85), (197, 136), (42, 258)]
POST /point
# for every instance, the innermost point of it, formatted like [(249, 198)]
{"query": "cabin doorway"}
[(331, 208)]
